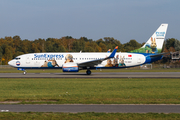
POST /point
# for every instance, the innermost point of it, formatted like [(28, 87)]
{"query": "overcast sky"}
[(122, 19)]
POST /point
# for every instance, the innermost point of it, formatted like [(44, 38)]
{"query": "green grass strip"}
[(90, 91), (88, 116)]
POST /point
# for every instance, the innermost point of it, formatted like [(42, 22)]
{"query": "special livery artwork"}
[(153, 45), (148, 48), (50, 63), (68, 58), (117, 61)]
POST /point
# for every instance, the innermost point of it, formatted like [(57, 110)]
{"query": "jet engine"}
[(70, 67)]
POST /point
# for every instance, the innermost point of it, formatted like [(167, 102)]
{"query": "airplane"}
[(73, 62)]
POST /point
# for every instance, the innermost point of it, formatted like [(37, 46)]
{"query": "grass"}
[(90, 91), (88, 116)]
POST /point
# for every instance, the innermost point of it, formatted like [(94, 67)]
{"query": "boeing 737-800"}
[(73, 62)]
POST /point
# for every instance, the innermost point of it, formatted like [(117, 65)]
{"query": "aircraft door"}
[(139, 59), (27, 59)]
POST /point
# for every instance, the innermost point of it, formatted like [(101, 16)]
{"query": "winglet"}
[(109, 51), (113, 53)]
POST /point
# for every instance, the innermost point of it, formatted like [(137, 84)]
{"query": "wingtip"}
[(116, 47)]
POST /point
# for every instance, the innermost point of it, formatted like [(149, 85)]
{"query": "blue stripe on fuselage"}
[(149, 58)]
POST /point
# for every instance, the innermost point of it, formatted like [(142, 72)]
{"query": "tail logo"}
[(160, 34)]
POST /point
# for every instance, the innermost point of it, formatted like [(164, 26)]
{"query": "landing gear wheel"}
[(24, 73), (88, 72)]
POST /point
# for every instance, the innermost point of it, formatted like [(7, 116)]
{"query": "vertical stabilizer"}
[(155, 42)]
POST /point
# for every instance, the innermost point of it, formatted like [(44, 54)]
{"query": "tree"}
[(134, 44), (76, 46), (17, 43), (103, 47), (89, 49), (81, 44), (109, 40), (170, 43), (131, 45), (177, 45), (40, 44), (49, 44), (8, 54), (26, 46), (100, 41), (35, 48), (18, 53), (11, 47), (1, 55)]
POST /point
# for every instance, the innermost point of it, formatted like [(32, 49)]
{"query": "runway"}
[(94, 75), (79, 108)]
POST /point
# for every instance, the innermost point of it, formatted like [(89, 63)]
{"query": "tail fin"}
[(155, 42)]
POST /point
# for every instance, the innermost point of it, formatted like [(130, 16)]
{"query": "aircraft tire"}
[(24, 73), (88, 72)]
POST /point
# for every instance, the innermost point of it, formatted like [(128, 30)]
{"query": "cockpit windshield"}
[(17, 58)]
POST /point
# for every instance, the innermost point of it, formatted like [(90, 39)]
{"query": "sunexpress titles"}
[(48, 56)]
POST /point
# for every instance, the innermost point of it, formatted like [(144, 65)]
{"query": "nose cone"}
[(10, 63)]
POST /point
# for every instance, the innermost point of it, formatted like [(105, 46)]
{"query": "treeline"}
[(10, 47)]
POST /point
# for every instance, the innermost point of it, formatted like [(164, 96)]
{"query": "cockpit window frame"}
[(17, 58)]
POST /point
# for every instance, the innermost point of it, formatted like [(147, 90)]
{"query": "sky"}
[(95, 19)]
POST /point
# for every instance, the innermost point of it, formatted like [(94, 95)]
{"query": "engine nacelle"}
[(70, 67)]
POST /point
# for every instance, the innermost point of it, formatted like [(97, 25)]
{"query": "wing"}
[(92, 63)]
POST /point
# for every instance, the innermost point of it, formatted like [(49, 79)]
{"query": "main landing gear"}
[(88, 72)]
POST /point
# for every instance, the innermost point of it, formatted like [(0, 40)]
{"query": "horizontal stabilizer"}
[(161, 54)]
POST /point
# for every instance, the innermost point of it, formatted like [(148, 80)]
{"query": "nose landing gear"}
[(24, 71)]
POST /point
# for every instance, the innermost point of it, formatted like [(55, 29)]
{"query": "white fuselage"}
[(38, 60)]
